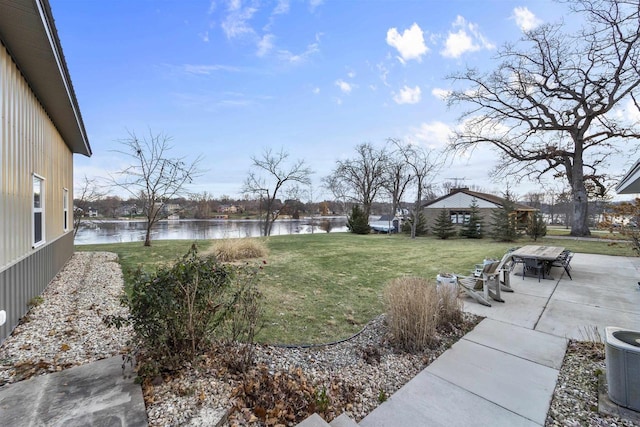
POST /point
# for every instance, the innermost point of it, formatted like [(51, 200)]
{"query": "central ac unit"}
[(622, 355)]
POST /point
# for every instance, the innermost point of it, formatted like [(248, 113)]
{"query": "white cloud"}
[(212, 7), (313, 4), (351, 74), (525, 19), (204, 36), (293, 58), (435, 134), (410, 44), (344, 86), (265, 44), (466, 39), (440, 93), (282, 7), (627, 112), (207, 69), (316, 90), (236, 23), (384, 72), (408, 95)]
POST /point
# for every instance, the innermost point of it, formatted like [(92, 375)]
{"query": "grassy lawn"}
[(324, 287)]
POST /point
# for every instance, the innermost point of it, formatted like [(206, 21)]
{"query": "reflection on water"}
[(104, 231)]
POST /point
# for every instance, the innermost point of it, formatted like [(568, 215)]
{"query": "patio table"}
[(546, 254)]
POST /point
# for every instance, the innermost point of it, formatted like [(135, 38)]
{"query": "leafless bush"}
[(326, 225)]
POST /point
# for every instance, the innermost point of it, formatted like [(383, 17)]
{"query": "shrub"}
[(236, 249), (503, 221), (412, 312), (442, 226), (421, 226), (176, 311), (326, 225), (450, 305), (473, 228), (536, 226), (416, 308), (358, 222)]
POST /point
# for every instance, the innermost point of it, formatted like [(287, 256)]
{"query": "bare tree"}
[(421, 169), (85, 194), (548, 107), (360, 178), (397, 175), (271, 175), (153, 178)]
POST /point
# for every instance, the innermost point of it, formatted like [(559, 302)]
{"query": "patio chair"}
[(500, 274), (564, 261), (479, 288), (504, 269), (533, 264)]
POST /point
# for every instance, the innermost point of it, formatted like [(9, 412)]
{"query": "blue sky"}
[(227, 79)]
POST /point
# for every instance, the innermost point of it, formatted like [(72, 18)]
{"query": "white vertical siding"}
[(30, 144)]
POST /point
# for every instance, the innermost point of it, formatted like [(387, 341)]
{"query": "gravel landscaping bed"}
[(64, 328)]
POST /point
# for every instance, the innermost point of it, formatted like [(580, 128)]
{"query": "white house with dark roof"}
[(458, 204)]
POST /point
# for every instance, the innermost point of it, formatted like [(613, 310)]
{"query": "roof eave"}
[(630, 183), (39, 57)]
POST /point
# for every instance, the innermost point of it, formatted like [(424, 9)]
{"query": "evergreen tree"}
[(358, 222), (421, 227), (536, 226), (503, 221), (473, 228), (443, 227)]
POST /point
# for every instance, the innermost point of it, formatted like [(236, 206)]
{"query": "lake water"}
[(105, 231)]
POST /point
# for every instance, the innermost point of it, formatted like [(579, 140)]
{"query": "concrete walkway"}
[(96, 394), (503, 373)]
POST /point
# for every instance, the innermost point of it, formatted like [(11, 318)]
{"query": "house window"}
[(38, 210), (460, 217), (65, 209)]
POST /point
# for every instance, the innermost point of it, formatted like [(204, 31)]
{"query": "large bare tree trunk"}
[(575, 173)]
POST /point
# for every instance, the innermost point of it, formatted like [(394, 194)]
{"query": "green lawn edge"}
[(324, 287)]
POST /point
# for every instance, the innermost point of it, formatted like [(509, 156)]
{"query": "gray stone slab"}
[(537, 347), (516, 384), (531, 286), (576, 321), (428, 400), (313, 420), (96, 394), (343, 420), (518, 309), (614, 292)]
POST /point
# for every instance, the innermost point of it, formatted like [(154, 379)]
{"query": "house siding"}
[(30, 144), (29, 277)]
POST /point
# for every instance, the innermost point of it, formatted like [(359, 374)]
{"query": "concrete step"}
[(316, 420), (343, 421)]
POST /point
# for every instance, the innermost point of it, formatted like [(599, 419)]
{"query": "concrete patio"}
[(503, 373)]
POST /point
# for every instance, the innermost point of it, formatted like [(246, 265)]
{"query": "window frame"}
[(38, 210), (460, 217), (65, 209)]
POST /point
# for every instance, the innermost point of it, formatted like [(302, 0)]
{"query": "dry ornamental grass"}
[(229, 250)]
